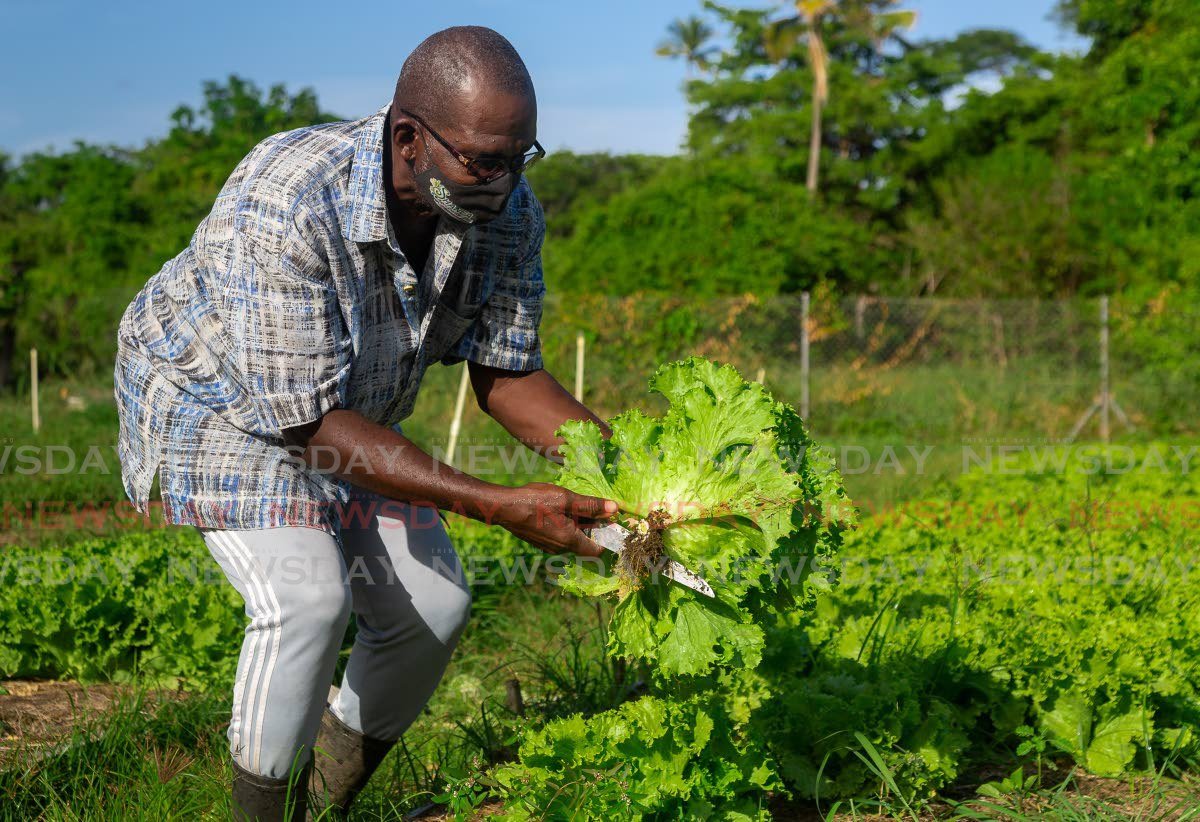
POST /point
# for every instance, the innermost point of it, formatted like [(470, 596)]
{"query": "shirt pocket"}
[(450, 321), (463, 293), (458, 306)]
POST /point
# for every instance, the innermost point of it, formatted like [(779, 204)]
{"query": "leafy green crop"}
[(668, 759), (153, 604), (728, 483), (1064, 602)]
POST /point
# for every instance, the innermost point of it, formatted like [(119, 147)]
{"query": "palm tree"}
[(688, 38), (781, 38)]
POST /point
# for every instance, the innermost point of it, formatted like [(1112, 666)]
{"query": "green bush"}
[(708, 228)]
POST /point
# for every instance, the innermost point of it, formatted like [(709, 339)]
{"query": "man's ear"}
[(404, 137)]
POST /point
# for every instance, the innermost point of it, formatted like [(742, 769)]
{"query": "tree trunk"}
[(814, 148)]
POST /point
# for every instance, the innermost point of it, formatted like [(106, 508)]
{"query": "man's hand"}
[(552, 518), (379, 459)]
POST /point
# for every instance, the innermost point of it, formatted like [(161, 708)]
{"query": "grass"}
[(140, 760), (1067, 795), (54, 481), (71, 460)]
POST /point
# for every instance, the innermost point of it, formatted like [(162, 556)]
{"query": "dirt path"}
[(37, 715)]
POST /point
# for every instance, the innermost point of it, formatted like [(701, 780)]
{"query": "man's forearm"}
[(376, 458), (531, 406)]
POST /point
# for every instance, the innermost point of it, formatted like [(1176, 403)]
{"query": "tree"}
[(568, 183), (703, 227), (70, 224), (182, 173), (1108, 23), (13, 266), (688, 38), (82, 230), (1118, 127), (1005, 227), (782, 37)]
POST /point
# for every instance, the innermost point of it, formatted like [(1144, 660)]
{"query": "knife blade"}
[(612, 538)]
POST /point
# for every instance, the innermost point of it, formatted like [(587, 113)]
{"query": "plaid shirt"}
[(294, 298)]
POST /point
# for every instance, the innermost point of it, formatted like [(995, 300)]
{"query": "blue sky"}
[(112, 72)]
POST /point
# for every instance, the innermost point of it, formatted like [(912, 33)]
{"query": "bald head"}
[(458, 67)]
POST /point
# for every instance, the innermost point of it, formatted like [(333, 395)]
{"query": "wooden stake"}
[(459, 404), (513, 699), (579, 343), (33, 389), (760, 376), (804, 356), (1001, 348), (1105, 393)]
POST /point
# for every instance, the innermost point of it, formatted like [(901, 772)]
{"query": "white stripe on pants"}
[(396, 570)]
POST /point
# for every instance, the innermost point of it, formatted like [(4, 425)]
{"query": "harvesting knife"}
[(612, 538)]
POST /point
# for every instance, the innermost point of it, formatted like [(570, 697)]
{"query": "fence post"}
[(33, 390), (1105, 396), (804, 356), (579, 344), (459, 405), (1105, 403), (1001, 349)]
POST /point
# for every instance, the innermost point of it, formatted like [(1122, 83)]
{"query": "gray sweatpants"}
[(395, 568)]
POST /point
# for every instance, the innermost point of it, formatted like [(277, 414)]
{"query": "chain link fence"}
[(875, 373), (945, 370), (916, 367)]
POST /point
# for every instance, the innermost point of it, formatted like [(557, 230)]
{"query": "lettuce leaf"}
[(738, 492)]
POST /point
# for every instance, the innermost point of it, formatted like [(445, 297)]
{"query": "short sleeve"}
[(283, 316), (505, 334)]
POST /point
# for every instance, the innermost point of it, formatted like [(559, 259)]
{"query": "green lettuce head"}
[(728, 483)]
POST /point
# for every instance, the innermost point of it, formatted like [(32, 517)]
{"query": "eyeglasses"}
[(486, 168)]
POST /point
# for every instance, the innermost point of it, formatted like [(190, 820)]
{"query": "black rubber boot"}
[(343, 761), (263, 799)]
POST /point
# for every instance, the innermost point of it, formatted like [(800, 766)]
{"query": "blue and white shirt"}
[(294, 298)]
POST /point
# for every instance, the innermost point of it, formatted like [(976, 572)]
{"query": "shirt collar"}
[(366, 212)]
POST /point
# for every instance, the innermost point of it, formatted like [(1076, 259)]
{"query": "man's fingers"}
[(592, 508), (583, 546)]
